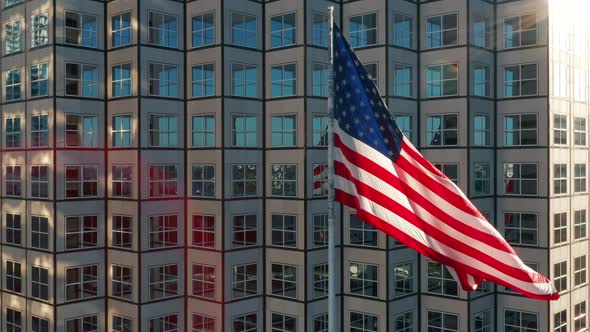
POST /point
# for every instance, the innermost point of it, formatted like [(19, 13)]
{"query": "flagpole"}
[(332, 327)]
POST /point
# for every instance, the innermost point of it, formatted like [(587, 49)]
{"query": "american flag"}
[(393, 187)]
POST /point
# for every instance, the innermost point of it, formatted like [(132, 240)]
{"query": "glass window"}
[(520, 129), (13, 277), (560, 227), (122, 324), (283, 30), (520, 80), (560, 321), (13, 229), (579, 270), (520, 31), (13, 132), (580, 224), (122, 233), (244, 281), (320, 323), (203, 29), (362, 30), (441, 80), (403, 279), (283, 323), (81, 29), (443, 322), (13, 84), (163, 180), (39, 131), (81, 130), (203, 130), (284, 180), (163, 282), (361, 233), (202, 323), (121, 130), (372, 71), (283, 130), (39, 30), (203, 81), (122, 180), (163, 80), (442, 30), (481, 80), (244, 80), (320, 230), (81, 181), (14, 320), (404, 123), (13, 37), (560, 129), (284, 280), (403, 82), (560, 276), (520, 179), (81, 80), (8, 3), (203, 180), (321, 30), (579, 178), (481, 130), (320, 180), (81, 232), (284, 230), (403, 30), (520, 228), (244, 130), (162, 29), (403, 322), (245, 323), (163, 130), (442, 129), (168, 323), (481, 32), (481, 179), (13, 180), (580, 131), (244, 180), (85, 324), (81, 282), (122, 281), (39, 232), (482, 321), (121, 80), (320, 129), (361, 322), (580, 317), (243, 30), (121, 29), (320, 280), (283, 80), (39, 324), (559, 179), (203, 231), (203, 281), (363, 279), (440, 280), (39, 80), (244, 231), (320, 80)]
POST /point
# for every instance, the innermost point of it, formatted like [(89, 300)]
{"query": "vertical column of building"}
[(205, 139), (524, 212), (243, 122), (125, 179), (402, 68), (444, 125)]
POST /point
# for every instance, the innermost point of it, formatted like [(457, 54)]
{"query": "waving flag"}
[(393, 187)]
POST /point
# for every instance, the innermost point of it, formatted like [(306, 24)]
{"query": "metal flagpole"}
[(331, 220)]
